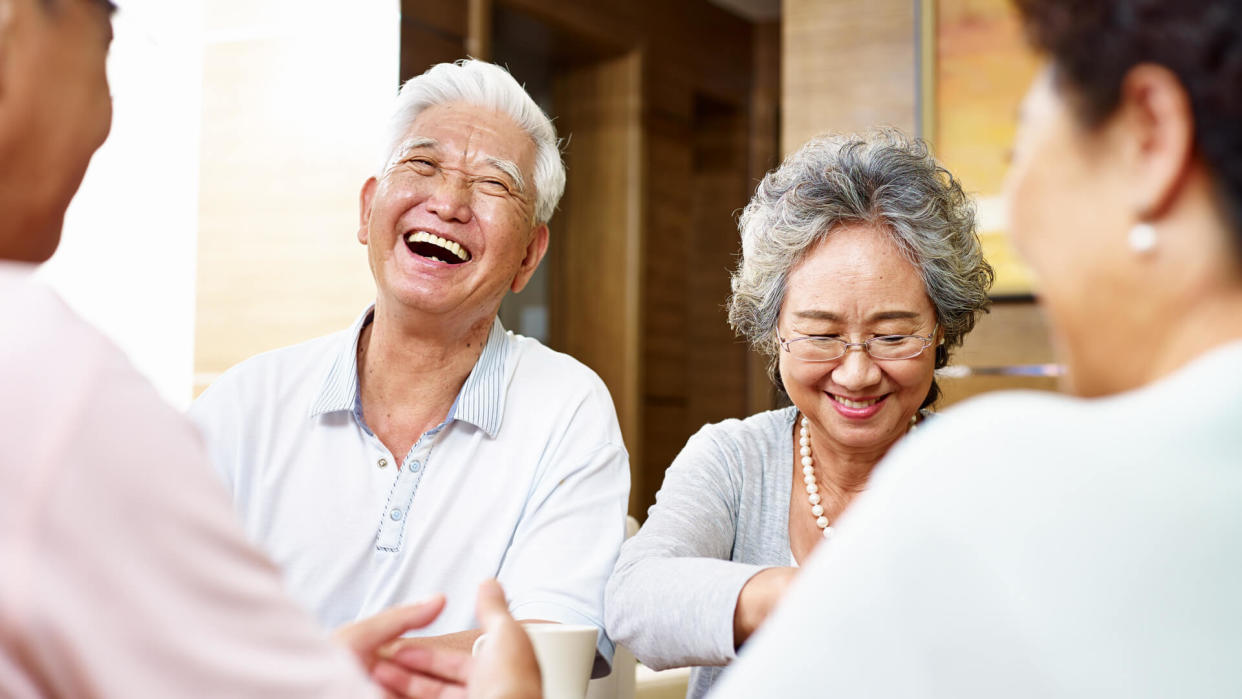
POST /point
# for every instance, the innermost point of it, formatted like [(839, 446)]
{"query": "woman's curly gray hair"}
[(881, 178)]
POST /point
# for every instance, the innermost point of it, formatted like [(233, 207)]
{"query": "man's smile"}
[(436, 248)]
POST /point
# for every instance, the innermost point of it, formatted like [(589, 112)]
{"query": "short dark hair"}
[(1094, 43)]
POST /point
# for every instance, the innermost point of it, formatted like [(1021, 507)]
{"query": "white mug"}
[(566, 654)]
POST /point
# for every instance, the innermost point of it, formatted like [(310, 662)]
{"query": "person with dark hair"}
[(1040, 545), (1080, 545), (123, 572)]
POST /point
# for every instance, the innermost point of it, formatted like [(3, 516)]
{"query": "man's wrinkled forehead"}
[(417, 144)]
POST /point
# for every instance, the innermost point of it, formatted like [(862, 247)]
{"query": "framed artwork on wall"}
[(974, 69)]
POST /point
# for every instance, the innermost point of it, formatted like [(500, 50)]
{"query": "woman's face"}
[(856, 285), (1067, 210)]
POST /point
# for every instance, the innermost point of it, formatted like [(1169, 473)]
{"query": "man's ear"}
[(535, 251), (364, 207), (1157, 124)]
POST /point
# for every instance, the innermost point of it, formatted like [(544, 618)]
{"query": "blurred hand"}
[(759, 596), (504, 669), (366, 637)]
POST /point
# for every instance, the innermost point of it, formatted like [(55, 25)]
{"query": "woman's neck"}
[(1213, 321), (846, 468)]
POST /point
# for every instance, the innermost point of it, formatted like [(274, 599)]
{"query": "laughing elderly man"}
[(425, 449)]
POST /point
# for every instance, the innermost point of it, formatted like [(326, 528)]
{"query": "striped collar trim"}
[(482, 398), (340, 386)]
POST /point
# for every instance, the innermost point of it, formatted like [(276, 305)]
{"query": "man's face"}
[(449, 226), (55, 111)]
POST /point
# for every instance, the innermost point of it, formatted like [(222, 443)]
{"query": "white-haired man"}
[(425, 449)]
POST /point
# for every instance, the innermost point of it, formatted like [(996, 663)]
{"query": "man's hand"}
[(759, 596), (504, 669), (366, 637)]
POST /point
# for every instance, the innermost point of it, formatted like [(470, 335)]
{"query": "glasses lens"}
[(817, 349), (895, 346)]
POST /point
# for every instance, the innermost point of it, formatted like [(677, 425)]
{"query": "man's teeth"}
[(425, 237), (856, 403)]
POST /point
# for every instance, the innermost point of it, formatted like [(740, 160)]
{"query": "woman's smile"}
[(857, 408)]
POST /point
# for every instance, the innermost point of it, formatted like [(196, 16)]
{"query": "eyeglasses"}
[(827, 349)]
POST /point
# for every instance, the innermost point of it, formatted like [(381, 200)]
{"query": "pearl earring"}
[(1142, 238)]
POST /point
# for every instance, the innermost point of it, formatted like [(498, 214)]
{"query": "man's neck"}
[(409, 373)]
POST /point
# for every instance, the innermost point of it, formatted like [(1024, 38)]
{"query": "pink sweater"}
[(122, 571)]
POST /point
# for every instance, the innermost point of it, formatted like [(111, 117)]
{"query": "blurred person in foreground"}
[(860, 270), (425, 448), (123, 572), (1038, 545)]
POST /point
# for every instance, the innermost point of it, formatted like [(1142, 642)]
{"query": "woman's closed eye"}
[(818, 340), (890, 339)]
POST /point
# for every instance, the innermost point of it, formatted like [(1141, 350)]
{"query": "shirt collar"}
[(340, 386), (482, 398)]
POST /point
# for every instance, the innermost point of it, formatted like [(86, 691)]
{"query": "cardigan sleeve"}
[(672, 595)]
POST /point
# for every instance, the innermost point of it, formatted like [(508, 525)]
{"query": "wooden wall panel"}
[(848, 65), (764, 155), (666, 311), (596, 287), (432, 31), (445, 17), (1015, 333), (706, 45), (697, 178), (717, 364), (668, 224)]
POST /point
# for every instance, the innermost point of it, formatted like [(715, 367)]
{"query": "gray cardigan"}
[(721, 516)]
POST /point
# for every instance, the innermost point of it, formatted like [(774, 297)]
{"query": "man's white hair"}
[(486, 85)]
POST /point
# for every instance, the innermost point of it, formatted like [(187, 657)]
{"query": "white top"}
[(1034, 546), (123, 572), (526, 481)]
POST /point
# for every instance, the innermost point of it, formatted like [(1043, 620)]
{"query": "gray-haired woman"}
[(860, 271)]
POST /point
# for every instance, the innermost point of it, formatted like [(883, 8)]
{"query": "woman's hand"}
[(759, 596), (505, 668)]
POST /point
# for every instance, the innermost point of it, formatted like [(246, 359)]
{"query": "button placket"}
[(392, 526)]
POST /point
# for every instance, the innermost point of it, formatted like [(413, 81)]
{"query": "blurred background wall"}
[(128, 253), (245, 129)]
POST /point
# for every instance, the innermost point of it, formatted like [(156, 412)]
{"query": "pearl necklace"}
[(808, 474)]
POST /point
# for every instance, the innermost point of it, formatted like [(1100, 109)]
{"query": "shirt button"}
[(382, 463), (396, 515), (414, 465)]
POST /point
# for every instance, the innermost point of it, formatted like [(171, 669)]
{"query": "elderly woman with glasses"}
[(860, 270)]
